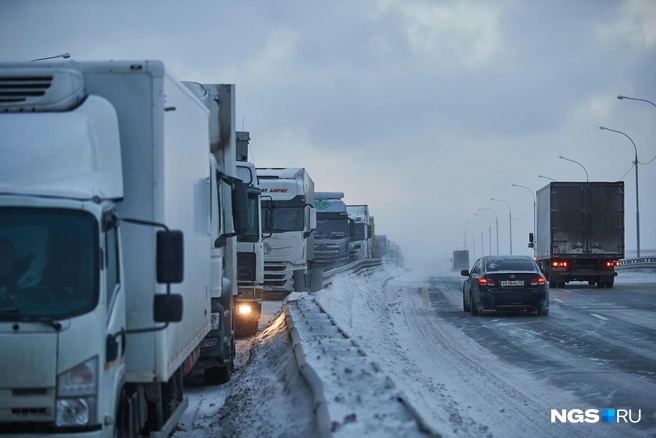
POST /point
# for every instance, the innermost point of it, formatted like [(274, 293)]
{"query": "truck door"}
[(606, 219), (568, 220)]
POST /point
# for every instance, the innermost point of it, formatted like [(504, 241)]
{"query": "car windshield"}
[(48, 263), (331, 228), (495, 265)]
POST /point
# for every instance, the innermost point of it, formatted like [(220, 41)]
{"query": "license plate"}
[(512, 283)]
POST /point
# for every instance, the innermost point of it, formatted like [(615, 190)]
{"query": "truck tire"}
[(217, 375), (246, 329), (600, 284)]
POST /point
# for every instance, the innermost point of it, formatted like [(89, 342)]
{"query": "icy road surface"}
[(494, 376)]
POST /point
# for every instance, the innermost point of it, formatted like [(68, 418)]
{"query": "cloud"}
[(273, 62), (462, 33), (635, 24)]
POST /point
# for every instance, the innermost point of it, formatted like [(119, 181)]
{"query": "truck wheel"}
[(561, 285), (591, 282), (610, 283), (600, 284), (217, 375)]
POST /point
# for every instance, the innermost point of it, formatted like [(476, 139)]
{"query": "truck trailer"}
[(99, 161), (460, 260), (580, 232)]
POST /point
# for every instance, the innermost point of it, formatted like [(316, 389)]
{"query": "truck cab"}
[(334, 229)]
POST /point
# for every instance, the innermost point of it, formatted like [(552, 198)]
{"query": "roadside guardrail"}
[(648, 263)]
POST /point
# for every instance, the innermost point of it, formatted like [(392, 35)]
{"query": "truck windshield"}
[(360, 233), (48, 264), (331, 228), (253, 232), (281, 219)]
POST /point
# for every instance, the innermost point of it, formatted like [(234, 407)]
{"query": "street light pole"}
[(509, 219), (586, 172), (482, 246), (636, 178), (620, 97), (473, 240), (546, 177), (489, 232), (497, 222), (535, 224)]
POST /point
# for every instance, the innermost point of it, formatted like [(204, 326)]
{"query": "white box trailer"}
[(86, 145)]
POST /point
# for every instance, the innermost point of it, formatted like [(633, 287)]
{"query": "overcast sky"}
[(423, 109)]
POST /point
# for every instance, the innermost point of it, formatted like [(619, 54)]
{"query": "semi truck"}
[(250, 252), (580, 232), (289, 221), (106, 192), (359, 242), (460, 260), (334, 229), (230, 220), (382, 245)]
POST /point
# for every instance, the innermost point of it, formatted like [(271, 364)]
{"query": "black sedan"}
[(505, 282)]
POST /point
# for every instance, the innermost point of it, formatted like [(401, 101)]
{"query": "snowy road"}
[(494, 376)]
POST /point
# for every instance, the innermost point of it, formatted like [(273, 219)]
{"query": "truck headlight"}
[(244, 309), (215, 321), (77, 391)]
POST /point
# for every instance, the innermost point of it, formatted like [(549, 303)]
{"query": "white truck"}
[(288, 226), (230, 220), (104, 312), (360, 243), (334, 229), (250, 249)]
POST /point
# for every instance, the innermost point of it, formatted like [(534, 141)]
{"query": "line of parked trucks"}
[(137, 242)]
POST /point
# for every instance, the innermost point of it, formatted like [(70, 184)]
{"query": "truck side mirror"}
[(167, 308), (530, 240), (240, 207), (170, 257), (313, 217)]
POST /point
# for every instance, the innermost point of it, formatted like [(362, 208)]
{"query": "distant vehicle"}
[(334, 229), (460, 260), (381, 246), (505, 282), (580, 232), (359, 243)]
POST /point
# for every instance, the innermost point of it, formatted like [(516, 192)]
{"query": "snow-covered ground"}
[(267, 396)]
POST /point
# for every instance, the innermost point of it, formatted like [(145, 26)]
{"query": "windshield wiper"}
[(49, 322)]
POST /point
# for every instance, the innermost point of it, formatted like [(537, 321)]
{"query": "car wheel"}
[(473, 310)]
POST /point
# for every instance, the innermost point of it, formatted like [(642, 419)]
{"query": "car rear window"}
[(509, 265)]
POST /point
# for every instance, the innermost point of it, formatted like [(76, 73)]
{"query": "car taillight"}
[(538, 280), (484, 281)]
